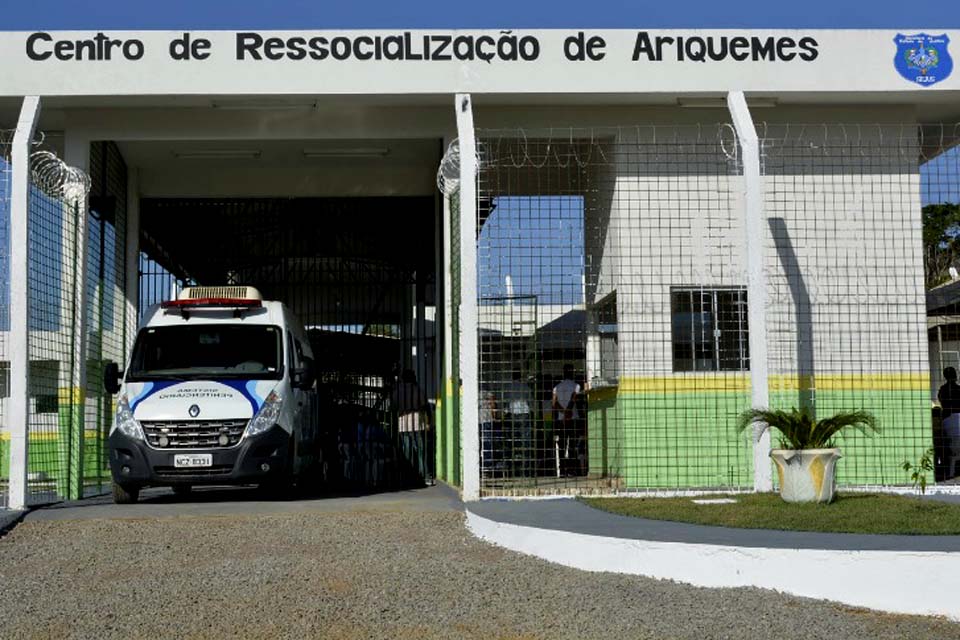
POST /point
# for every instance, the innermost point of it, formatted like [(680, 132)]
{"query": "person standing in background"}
[(949, 394), (518, 425), (949, 398), (486, 414), (565, 420)]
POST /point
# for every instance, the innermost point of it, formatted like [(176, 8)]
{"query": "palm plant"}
[(799, 428)]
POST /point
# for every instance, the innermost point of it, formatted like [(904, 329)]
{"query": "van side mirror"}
[(306, 375), (111, 377)]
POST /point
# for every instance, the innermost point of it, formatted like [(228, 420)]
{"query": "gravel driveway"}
[(365, 571)]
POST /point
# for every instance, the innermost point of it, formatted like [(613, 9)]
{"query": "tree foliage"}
[(941, 242)]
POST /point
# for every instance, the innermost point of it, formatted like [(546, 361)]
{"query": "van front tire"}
[(125, 494)]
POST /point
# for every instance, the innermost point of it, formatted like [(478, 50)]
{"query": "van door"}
[(306, 419)]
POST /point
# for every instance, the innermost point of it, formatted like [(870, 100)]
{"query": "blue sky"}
[(45, 264), (393, 14), (940, 178), (538, 242)]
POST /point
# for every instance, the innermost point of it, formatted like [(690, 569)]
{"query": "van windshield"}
[(207, 351)]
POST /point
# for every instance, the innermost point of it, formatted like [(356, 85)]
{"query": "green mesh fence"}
[(69, 419), (106, 306), (612, 301), (55, 430), (451, 440)]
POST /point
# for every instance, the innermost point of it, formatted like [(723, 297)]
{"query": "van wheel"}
[(282, 485), (125, 494), (182, 490)]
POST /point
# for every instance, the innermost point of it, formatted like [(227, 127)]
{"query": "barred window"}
[(709, 329)]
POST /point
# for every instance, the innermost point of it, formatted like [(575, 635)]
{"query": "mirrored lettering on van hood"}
[(197, 399)]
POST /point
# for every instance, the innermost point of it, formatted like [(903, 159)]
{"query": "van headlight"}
[(125, 422), (268, 415)]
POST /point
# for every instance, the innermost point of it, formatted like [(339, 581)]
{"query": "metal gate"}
[(76, 319), (359, 274)]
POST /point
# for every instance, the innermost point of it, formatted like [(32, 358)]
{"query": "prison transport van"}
[(220, 389)]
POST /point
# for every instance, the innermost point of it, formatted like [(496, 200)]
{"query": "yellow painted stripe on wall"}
[(685, 384), (852, 382), (88, 435), (70, 395), (739, 383)]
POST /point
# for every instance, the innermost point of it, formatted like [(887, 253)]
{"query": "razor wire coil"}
[(57, 179)]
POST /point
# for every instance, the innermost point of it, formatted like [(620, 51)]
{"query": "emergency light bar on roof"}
[(236, 293), (230, 297)]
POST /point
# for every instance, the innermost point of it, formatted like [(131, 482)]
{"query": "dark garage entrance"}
[(361, 274)]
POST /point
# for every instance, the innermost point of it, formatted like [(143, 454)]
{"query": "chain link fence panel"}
[(613, 335)]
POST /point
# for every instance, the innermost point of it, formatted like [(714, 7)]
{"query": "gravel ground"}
[(366, 574)]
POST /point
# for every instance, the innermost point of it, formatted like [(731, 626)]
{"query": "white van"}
[(220, 389)]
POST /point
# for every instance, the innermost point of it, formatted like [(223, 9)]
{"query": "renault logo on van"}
[(194, 411)]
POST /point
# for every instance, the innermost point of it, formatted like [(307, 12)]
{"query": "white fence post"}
[(19, 407), (469, 425), (756, 281)]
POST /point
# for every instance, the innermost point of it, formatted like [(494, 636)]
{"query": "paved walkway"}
[(565, 514), (8, 518), (235, 501), (861, 570)]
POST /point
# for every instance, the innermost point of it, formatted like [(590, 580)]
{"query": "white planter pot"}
[(806, 475)]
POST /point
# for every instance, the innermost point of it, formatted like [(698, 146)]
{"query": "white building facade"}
[(694, 222)]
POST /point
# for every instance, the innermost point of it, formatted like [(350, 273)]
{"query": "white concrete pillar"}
[(18, 408), (756, 231), (470, 429)]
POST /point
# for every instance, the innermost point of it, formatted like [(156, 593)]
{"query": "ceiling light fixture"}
[(269, 104), (351, 152), (721, 103), (207, 154)]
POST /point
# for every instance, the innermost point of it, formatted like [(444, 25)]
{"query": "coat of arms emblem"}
[(923, 58)]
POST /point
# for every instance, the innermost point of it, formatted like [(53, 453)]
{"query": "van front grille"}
[(175, 472), (194, 434)]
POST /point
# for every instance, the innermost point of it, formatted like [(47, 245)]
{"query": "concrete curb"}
[(906, 582), (10, 518)]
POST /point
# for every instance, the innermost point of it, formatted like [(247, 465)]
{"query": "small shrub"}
[(799, 429), (918, 472)]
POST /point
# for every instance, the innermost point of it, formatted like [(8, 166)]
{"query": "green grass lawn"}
[(850, 513)]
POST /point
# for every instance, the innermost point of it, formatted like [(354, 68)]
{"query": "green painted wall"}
[(46, 455), (683, 440), (688, 440), (906, 432)]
